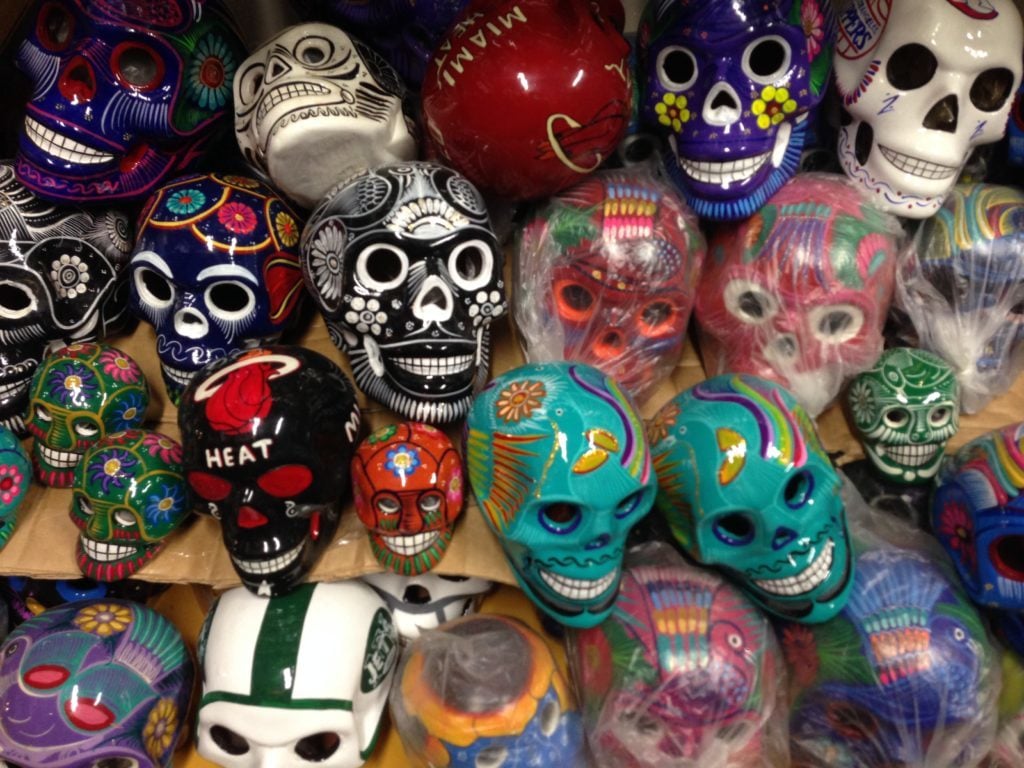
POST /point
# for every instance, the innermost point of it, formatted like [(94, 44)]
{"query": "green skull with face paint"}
[(746, 486), (904, 410)]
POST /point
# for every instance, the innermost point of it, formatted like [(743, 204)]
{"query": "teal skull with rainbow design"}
[(746, 486), (561, 469)]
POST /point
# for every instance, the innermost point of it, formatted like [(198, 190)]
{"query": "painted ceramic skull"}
[(923, 83), (62, 272), (124, 94), (404, 265), (903, 676), (961, 285), (215, 269), (746, 486), (904, 410), (977, 513), (79, 395), (561, 468), (485, 691), (314, 106), (731, 87), (424, 601), (798, 293), (271, 435), (408, 484), (607, 275), (94, 683), (684, 671), (297, 680), (129, 496), (15, 478)]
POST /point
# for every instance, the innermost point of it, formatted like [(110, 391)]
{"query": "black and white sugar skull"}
[(62, 280), (409, 275), (313, 106), (923, 82)]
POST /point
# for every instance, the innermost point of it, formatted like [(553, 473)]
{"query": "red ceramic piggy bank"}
[(525, 97)]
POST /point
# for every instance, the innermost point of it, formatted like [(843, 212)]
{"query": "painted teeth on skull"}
[(911, 455), (283, 93), (410, 545), (270, 565), (380, 390), (64, 147), (805, 581), (1010, 589), (579, 589), (57, 458), (107, 551)]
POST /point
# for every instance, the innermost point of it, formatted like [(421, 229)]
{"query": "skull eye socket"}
[(318, 747), (153, 288), (228, 740), (677, 68), (836, 324), (767, 59), (749, 302), (249, 82), (493, 756), (230, 300), (85, 429), (735, 529), (629, 505), (209, 487), (940, 416), (55, 27), (561, 518), (575, 301), (896, 418), (911, 66), (85, 507), (991, 89), (471, 264), (137, 66), (799, 489), (47, 676), (388, 505), (43, 414), (287, 481), (429, 503), (16, 301), (657, 318), (314, 51), (382, 267), (124, 518)]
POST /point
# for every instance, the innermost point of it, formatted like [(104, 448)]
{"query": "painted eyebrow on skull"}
[(227, 270), (153, 260)]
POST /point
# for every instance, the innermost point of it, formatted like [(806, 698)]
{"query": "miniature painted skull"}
[(731, 87), (905, 675), (561, 468), (314, 106), (607, 275), (94, 683), (215, 269), (977, 514), (798, 293), (684, 671), (485, 691), (297, 680), (62, 272), (15, 477), (904, 411), (424, 601), (124, 94), (408, 486), (746, 486), (923, 83), (129, 496), (79, 395), (404, 265), (271, 435), (961, 285)]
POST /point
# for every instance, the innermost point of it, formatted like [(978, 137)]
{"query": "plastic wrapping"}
[(485, 691), (606, 274), (961, 285), (684, 673), (799, 291)]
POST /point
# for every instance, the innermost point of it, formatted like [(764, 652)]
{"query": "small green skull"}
[(904, 410)]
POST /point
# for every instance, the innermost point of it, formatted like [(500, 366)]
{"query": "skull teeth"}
[(13, 388), (579, 589), (287, 92), (435, 366), (106, 552), (410, 545), (917, 166), (910, 455), (266, 567), (59, 459), (63, 147), (1010, 588), (178, 376), (809, 578), (726, 172)]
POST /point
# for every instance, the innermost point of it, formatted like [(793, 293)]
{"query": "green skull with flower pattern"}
[(80, 394), (904, 410), (129, 496)]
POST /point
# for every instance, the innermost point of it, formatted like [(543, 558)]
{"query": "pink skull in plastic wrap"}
[(798, 293)]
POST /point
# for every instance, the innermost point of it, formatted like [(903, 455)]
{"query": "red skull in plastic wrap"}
[(607, 273), (798, 293)]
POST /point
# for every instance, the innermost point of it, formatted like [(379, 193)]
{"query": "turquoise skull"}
[(561, 469), (745, 485)]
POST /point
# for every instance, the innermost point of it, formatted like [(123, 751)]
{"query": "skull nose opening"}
[(277, 68), (78, 81), (251, 518), (610, 344), (943, 115), (600, 542), (416, 595), (434, 302), (722, 106), (782, 537), (190, 324), (784, 347)]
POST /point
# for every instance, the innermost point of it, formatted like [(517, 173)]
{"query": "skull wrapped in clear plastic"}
[(798, 292), (961, 286), (606, 275)]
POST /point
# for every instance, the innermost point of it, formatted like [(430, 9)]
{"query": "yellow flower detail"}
[(287, 229), (103, 619), (773, 106), (520, 400), (672, 111), (161, 728)]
